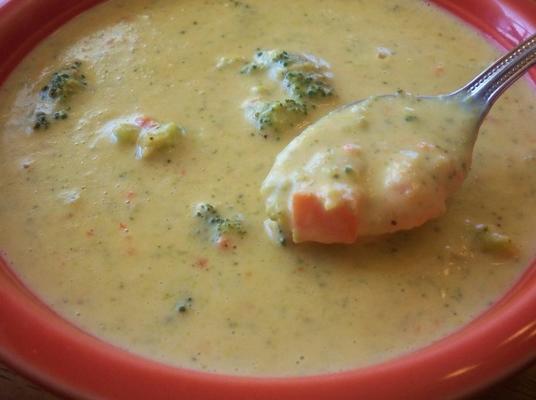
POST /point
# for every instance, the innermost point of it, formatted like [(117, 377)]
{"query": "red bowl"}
[(41, 345)]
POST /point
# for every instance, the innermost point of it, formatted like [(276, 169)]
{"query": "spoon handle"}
[(485, 88)]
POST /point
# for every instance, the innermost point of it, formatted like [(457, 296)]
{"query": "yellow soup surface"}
[(132, 154)]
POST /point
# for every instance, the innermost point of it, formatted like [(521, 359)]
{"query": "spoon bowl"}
[(386, 163)]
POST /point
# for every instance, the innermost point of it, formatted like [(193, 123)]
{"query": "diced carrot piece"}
[(311, 222)]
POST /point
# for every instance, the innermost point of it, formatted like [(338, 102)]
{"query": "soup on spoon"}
[(383, 164)]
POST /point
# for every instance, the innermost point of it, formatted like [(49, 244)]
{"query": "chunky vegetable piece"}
[(64, 83), (306, 85), (219, 226), (275, 115), (148, 135), (369, 169), (155, 138), (278, 61), (54, 97), (41, 120), (490, 240), (313, 222), (303, 78)]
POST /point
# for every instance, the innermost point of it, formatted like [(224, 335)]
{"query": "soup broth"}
[(130, 193)]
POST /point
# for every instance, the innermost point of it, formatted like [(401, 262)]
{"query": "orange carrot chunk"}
[(311, 222)]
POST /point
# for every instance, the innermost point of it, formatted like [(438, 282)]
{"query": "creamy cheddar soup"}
[(134, 142)]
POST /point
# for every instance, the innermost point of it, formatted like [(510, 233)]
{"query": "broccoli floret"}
[(147, 134), (41, 120), (303, 85), (304, 79), (489, 240), (266, 59), (60, 114), (280, 62), (274, 115), (217, 224), (55, 94), (64, 83), (152, 139)]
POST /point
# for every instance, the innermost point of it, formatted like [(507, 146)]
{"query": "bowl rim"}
[(44, 347)]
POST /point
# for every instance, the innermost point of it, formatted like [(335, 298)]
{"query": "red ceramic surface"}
[(44, 347)]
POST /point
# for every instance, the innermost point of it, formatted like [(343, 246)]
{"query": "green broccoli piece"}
[(62, 114), (276, 114), (41, 120), (217, 224), (56, 93), (304, 79), (147, 134), (489, 240), (159, 137), (64, 83), (301, 85), (265, 59)]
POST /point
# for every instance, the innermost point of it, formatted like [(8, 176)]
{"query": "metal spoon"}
[(486, 87)]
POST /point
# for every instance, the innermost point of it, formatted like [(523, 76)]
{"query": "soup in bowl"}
[(135, 139)]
